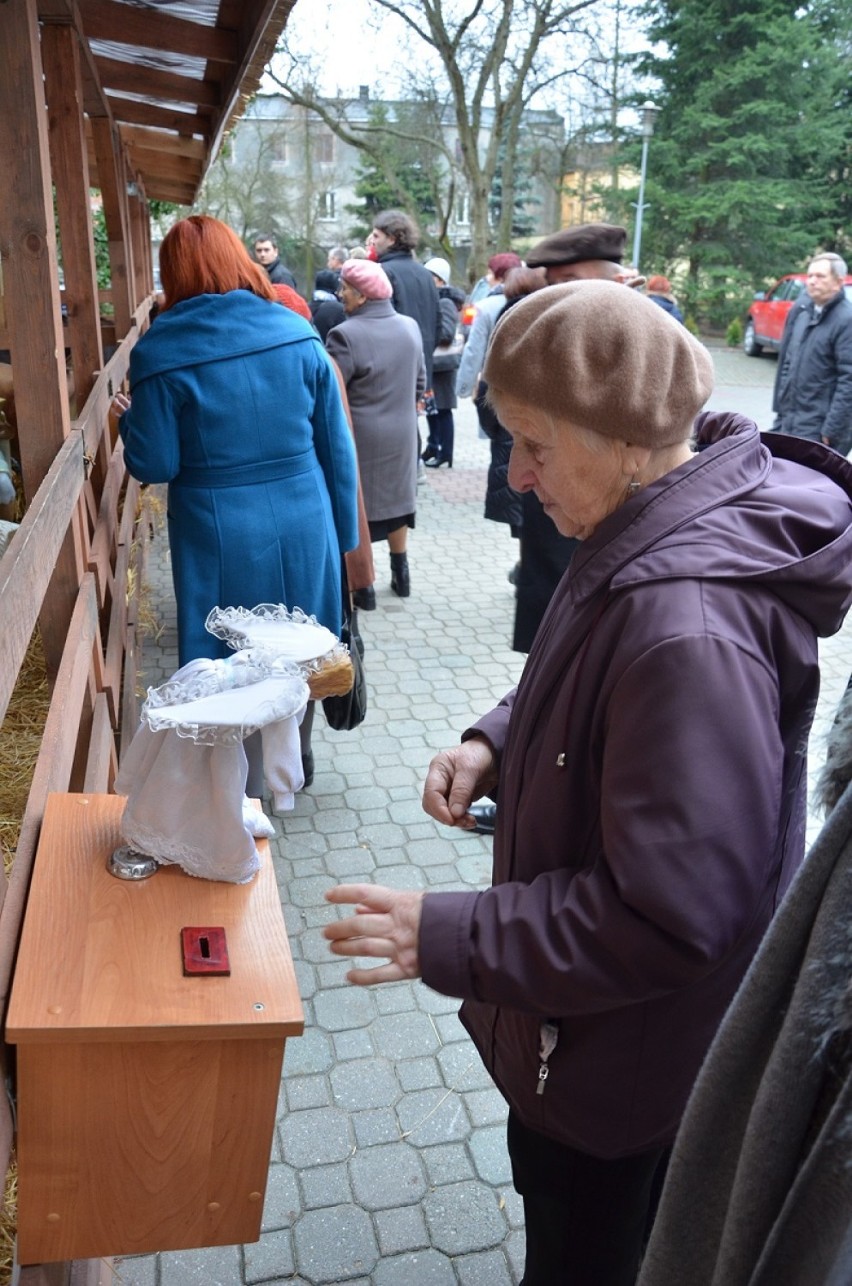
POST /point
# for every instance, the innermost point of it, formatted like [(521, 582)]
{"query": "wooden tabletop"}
[(101, 957)]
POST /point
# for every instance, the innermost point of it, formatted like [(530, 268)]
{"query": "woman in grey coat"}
[(380, 356)]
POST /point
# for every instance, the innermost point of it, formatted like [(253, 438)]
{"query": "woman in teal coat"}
[(235, 404)]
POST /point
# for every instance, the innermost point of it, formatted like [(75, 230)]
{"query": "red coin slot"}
[(205, 952)]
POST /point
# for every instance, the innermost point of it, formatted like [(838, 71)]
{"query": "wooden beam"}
[(113, 191), (31, 285), (177, 193), (167, 168), (187, 124), (153, 141), (27, 565), (150, 29), (153, 84), (140, 233), (54, 765), (70, 166), (27, 236), (67, 12)]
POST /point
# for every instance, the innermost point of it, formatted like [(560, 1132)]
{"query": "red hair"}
[(203, 256)]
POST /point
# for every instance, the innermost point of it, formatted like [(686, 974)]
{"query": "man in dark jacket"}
[(813, 384), (266, 253), (394, 237)]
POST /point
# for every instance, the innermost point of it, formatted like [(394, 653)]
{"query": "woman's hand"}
[(456, 778), (386, 922), (119, 404)]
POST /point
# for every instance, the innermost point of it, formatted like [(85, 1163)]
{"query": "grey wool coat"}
[(759, 1190), (380, 356)]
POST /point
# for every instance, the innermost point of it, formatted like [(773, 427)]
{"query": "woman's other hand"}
[(119, 404), (386, 922), (456, 778)]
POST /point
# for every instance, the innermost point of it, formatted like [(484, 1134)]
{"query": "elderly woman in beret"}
[(648, 769), (380, 356)]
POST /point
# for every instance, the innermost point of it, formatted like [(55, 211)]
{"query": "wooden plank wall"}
[(67, 569)]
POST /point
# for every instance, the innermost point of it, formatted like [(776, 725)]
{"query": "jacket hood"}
[(210, 328), (768, 508)]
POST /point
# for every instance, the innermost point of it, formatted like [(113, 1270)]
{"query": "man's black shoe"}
[(486, 818)]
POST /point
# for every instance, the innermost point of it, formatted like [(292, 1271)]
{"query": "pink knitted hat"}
[(368, 278)]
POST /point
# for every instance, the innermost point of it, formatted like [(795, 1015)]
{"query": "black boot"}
[(400, 583)]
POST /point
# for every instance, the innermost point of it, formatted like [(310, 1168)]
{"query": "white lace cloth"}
[(185, 771), (290, 636)]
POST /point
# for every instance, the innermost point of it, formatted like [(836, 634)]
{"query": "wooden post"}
[(70, 163), (28, 242), (141, 237), (31, 286), (111, 182)]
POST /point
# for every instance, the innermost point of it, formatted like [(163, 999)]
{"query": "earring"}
[(633, 487)]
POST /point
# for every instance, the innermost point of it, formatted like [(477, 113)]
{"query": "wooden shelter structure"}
[(123, 102)]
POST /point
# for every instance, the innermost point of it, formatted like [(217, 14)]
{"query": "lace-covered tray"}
[(293, 636), (283, 637)]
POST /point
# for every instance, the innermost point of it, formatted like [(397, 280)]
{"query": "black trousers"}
[(587, 1219), (442, 432)]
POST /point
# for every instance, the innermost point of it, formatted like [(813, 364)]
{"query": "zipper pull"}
[(548, 1037)]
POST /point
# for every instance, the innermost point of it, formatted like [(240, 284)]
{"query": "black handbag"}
[(346, 712)]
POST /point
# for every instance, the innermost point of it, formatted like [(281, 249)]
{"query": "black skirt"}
[(382, 527)]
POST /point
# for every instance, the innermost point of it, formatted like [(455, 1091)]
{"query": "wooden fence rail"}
[(86, 503)]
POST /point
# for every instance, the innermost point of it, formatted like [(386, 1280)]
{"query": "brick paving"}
[(389, 1163)]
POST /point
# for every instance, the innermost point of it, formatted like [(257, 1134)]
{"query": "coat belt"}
[(245, 475)]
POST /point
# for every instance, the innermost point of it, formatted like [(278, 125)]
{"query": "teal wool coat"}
[(235, 405)]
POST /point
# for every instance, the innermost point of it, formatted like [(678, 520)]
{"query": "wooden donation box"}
[(146, 1098)]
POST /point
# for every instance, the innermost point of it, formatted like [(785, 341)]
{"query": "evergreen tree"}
[(391, 175), (523, 219), (741, 162)]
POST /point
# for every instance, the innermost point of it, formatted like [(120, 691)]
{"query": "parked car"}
[(480, 290), (768, 313)]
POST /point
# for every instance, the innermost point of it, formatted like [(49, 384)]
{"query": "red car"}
[(768, 313)]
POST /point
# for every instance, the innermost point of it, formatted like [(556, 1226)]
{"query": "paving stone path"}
[(389, 1163)]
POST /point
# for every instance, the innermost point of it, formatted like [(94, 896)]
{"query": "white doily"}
[(291, 636), (223, 702)]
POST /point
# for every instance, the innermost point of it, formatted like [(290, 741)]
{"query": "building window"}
[(325, 205), (324, 146), (463, 208), (278, 149)]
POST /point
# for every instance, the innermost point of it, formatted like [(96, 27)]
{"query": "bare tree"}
[(492, 57)]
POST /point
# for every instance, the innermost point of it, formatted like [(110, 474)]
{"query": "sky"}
[(352, 52), (357, 43)]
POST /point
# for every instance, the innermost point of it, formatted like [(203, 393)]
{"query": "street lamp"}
[(649, 115)]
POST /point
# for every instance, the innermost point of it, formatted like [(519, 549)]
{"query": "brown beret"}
[(604, 357), (574, 245)]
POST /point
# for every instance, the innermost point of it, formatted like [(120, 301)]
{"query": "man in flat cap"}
[(588, 252)]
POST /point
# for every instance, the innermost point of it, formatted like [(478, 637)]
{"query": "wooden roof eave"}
[(235, 63), (219, 99)]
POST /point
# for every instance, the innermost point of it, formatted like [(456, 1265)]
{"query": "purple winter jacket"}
[(652, 791)]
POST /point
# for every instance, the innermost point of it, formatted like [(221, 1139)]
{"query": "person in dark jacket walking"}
[(813, 383), (445, 363), (326, 308), (394, 239), (648, 767)]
